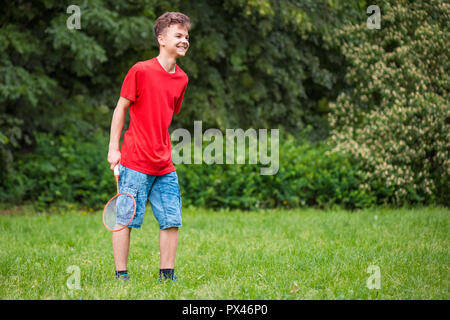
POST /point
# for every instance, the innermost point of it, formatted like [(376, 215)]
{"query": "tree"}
[(394, 117)]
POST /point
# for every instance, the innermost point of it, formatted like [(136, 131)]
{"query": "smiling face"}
[(174, 40)]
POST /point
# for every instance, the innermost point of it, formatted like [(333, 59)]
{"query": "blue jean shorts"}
[(162, 191)]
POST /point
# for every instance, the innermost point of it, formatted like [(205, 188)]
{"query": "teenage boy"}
[(152, 92)]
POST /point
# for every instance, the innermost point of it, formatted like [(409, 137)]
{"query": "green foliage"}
[(306, 177), (251, 63), (72, 169), (262, 64), (49, 73), (394, 119), (66, 168)]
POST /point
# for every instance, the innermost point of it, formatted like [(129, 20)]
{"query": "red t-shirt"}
[(155, 96)]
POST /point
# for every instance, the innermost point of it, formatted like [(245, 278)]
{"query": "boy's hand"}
[(113, 157)]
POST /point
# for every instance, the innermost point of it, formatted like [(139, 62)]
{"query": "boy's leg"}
[(121, 247), (165, 199), (137, 184), (168, 242)]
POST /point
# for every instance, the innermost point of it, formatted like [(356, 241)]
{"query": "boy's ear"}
[(161, 41)]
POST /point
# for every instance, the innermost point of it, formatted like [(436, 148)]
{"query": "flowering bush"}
[(395, 117)]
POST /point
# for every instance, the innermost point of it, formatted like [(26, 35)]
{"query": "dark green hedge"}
[(73, 169)]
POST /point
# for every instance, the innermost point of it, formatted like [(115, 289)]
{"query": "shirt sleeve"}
[(130, 84), (180, 101)]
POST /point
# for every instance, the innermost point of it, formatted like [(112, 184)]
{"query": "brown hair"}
[(170, 18)]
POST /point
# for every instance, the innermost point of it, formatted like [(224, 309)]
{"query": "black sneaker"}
[(122, 276), (161, 278)]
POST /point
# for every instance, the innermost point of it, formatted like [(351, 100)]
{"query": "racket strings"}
[(119, 211)]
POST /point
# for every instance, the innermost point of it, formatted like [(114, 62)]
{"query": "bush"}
[(306, 177), (62, 169), (394, 118), (73, 169)]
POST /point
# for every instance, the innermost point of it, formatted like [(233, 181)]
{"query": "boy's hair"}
[(170, 18)]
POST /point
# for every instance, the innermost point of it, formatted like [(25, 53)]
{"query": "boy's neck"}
[(167, 62)]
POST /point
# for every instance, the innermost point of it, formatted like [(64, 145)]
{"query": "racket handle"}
[(116, 176), (116, 170)]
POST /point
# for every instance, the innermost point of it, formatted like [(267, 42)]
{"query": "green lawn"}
[(279, 254)]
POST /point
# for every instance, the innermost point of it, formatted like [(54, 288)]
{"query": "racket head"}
[(119, 212)]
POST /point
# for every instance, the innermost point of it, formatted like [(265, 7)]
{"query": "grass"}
[(275, 254)]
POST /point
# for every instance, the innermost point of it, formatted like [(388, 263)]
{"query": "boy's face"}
[(175, 40)]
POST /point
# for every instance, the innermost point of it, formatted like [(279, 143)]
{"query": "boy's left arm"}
[(180, 101)]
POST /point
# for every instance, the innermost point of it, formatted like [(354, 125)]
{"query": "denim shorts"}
[(162, 191)]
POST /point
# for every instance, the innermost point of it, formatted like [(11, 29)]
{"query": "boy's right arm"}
[(116, 130)]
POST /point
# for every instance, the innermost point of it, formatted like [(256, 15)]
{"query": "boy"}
[(152, 91)]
